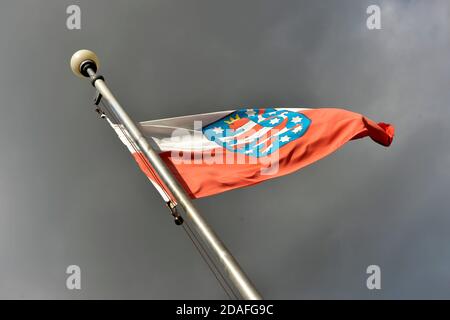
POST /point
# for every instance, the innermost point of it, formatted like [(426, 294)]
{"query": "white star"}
[(250, 112), (218, 130), (296, 119), (285, 139), (274, 121), (297, 129)]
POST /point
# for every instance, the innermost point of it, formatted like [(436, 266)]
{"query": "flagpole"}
[(84, 63)]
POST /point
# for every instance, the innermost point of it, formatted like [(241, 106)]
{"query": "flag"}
[(215, 152)]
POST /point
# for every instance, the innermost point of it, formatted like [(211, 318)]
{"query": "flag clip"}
[(97, 99), (178, 219)]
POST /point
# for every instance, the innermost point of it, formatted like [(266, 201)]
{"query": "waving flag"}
[(215, 152)]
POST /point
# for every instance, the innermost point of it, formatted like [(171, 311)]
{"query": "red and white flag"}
[(214, 152)]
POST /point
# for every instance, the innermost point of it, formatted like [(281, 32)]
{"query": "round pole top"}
[(82, 56)]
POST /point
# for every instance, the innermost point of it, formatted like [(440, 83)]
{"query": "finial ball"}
[(79, 57)]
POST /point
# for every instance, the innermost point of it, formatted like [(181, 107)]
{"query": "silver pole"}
[(85, 63)]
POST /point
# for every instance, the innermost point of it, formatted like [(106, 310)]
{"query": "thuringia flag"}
[(214, 152)]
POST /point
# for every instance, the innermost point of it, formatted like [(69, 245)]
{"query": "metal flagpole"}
[(84, 63)]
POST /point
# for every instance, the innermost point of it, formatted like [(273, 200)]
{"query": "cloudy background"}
[(71, 194)]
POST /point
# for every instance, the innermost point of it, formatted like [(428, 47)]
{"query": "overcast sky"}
[(71, 194)]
